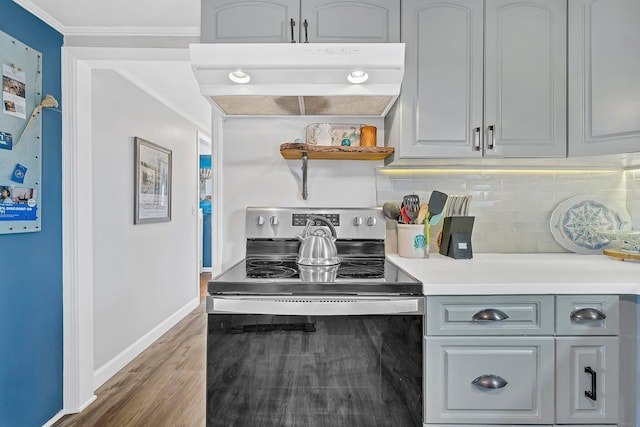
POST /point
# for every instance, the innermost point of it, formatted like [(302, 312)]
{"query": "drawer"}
[(489, 380), (494, 315), (587, 315)]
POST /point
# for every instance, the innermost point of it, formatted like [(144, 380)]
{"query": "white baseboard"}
[(62, 413), (109, 369), (53, 420)]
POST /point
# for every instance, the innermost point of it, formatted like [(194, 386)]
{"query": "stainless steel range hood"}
[(360, 79)]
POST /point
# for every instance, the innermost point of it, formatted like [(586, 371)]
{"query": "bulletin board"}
[(20, 137)]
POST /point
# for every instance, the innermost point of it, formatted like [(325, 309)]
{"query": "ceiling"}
[(172, 83)]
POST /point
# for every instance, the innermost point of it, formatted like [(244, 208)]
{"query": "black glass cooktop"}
[(354, 275), (357, 268)]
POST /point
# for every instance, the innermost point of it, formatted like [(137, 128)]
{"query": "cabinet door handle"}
[(591, 394), (476, 139), (587, 314), (492, 140), (292, 23), (305, 24), (490, 381), (490, 315)]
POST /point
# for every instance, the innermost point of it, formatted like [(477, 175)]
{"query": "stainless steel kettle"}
[(318, 248)]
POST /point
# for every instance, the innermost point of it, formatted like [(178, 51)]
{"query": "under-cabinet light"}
[(239, 76), (357, 77), (403, 171)]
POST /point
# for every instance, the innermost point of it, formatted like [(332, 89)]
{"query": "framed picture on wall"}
[(152, 183)]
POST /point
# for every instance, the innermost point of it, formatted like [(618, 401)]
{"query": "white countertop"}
[(492, 274)]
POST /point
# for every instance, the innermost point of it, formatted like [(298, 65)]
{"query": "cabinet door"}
[(489, 380), (604, 88), (525, 80), (587, 365), (232, 21), (441, 101), (365, 21)]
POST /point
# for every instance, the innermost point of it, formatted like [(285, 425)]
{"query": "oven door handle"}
[(315, 306)]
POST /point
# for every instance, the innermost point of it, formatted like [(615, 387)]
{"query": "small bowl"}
[(624, 240)]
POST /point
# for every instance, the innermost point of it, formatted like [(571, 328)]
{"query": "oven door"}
[(314, 361)]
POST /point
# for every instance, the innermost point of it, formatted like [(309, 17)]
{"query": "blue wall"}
[(31, 278)]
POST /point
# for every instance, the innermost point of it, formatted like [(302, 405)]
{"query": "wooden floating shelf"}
[(294, 150)]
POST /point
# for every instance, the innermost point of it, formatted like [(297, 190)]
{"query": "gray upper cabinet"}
[(230, 21), (298, 21), (483, 79), (604, 87)]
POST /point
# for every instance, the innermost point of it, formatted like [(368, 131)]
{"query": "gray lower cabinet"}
[(524, 360), (587, 380), (299, 21), (489, 380)]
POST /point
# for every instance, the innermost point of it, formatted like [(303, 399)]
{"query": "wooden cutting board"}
[(621, 255)]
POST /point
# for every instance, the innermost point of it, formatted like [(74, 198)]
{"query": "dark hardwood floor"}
[(163, 386)]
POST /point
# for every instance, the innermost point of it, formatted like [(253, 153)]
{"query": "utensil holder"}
[(412, 242), (456, 237)]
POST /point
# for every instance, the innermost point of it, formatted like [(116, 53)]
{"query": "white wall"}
[(255, 174), (143, 274)]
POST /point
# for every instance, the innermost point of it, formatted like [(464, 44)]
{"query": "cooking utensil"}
[(411, 200), (412, 203), (391, 210), (436, 218), (422, 213), (436, 202), (403, 214), (412, 214), (317, 248)]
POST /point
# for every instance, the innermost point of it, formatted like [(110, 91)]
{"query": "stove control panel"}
[(286, 223), (300, 219)]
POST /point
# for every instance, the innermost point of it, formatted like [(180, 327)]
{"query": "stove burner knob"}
[(357, 221), (273, 220), (371, 221), (260, 220)]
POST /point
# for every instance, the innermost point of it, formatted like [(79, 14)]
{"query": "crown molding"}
[(134, 31), (41, 14), (65, 30)]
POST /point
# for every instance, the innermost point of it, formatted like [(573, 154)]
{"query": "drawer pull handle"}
[(587, 314), (592, 393), (489, 381), (490, 314)]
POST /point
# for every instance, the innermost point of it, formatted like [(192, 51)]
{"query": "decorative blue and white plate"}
[(575, 223)]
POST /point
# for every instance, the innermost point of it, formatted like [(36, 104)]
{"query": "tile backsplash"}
[(512, 208)]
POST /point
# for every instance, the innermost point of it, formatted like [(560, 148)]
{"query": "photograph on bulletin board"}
[(21, 136)]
